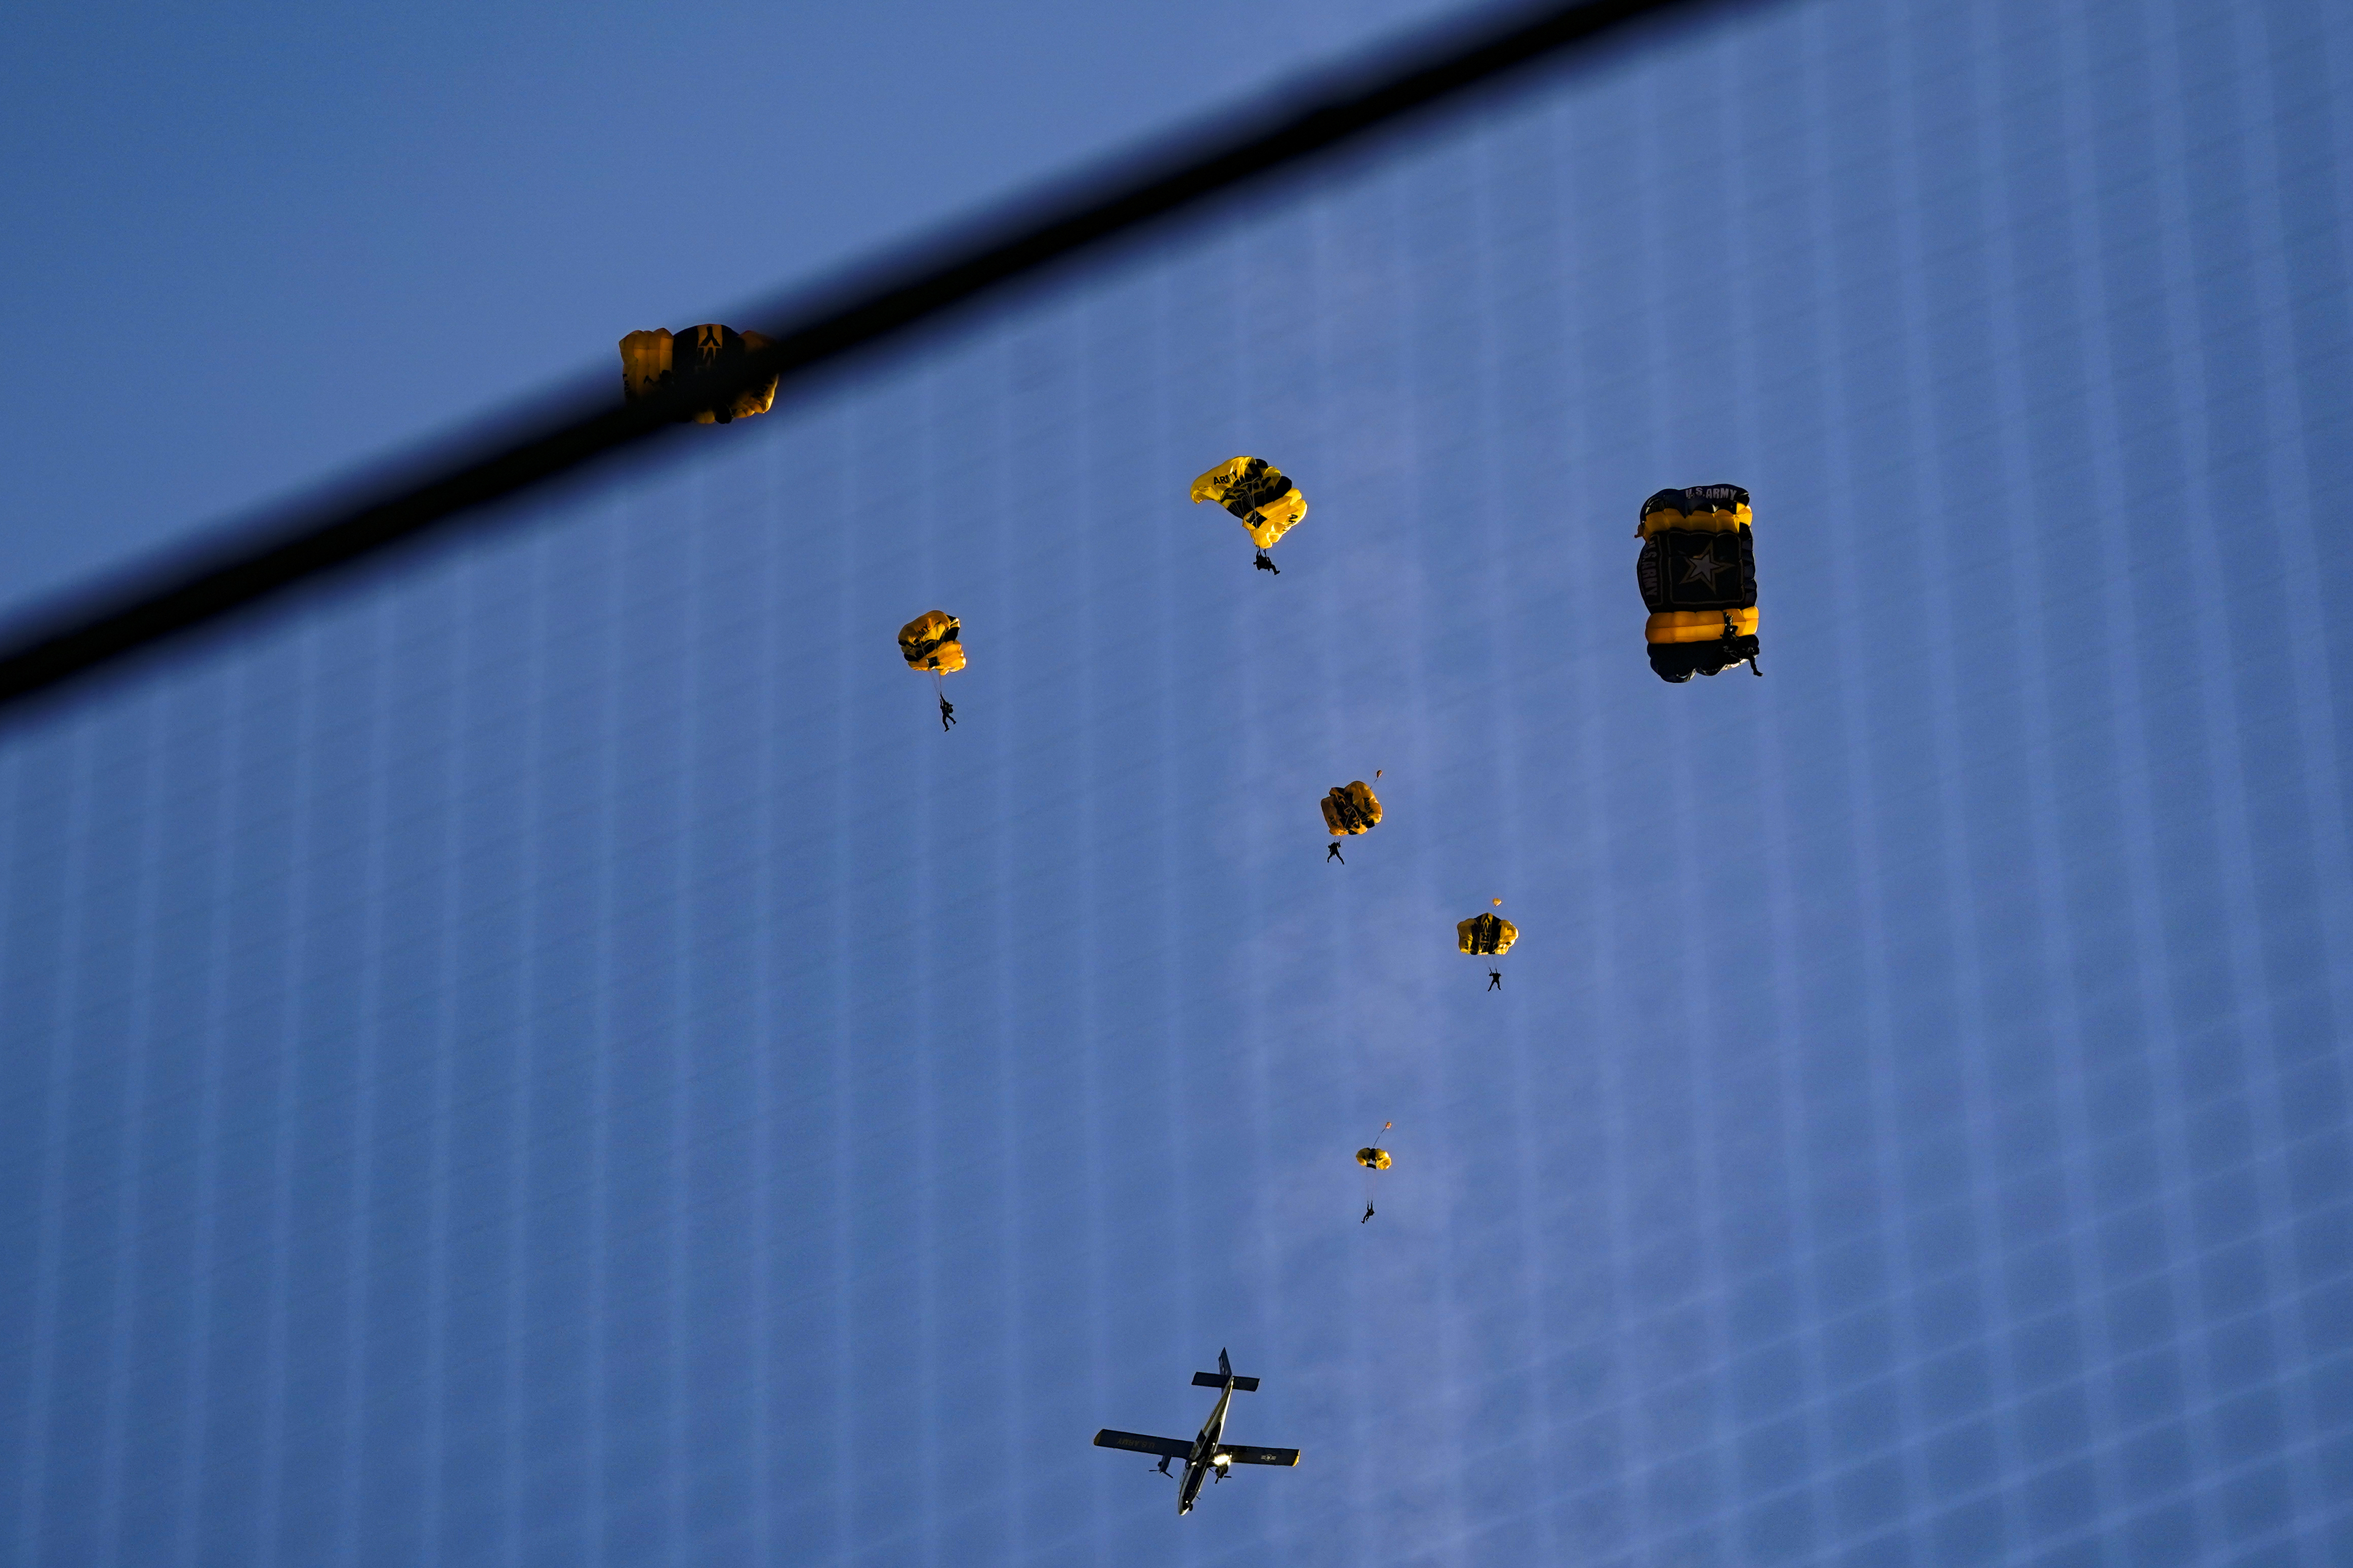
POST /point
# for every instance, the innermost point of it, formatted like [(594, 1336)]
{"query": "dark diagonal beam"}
[(511, 451)]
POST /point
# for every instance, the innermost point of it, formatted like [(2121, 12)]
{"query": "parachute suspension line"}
[(1372, 1171)]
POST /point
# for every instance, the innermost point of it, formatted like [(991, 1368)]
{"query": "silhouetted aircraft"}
[(1210, 1452)]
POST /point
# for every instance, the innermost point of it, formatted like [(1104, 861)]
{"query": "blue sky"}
[(336, 229), (544, 1052)]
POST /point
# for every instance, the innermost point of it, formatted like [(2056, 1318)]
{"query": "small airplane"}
[(1210, 1452)]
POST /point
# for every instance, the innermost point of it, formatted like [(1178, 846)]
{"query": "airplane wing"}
[(1168, 1447), (1259, 1456)]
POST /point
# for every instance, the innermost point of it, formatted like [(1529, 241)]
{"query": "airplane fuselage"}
[(1200, 1461)]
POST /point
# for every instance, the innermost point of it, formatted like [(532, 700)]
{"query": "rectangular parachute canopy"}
[(1351, 809), (1485, 935), (933, 641), (1697, 572), (650, 360), (1260, 495)]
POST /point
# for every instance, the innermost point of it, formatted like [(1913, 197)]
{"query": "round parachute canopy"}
[(1260, 495), (930, 642), (1373, 1159), (1697, 572), (1351, 809), (658, 359), (1487, 935)]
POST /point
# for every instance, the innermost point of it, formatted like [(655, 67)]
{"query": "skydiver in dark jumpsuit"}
[(1265, 562), (1332, 853), (1494, 980), (947, 715)]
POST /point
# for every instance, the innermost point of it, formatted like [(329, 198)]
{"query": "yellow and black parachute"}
[(1487, 935), (1268, 503), (1373, 1158), (1697, 572), (658, 359), (1352, 808), (932, 642)]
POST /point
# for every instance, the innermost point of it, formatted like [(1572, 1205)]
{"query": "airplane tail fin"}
[(1211, 1380), (1224, 1374)]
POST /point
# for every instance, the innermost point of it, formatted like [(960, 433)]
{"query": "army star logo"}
[(1703, 568)]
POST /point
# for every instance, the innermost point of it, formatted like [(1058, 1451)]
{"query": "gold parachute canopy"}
[(1697, 572), (1485, 935), (653, 360), (1351, 809), (1263, 496), (931, 642), (1373, 1159)]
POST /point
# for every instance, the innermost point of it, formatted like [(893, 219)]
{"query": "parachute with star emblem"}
[(1697, 572)]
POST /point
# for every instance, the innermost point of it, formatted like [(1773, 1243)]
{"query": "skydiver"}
[(1494, 980), (947, 715), (1368, 1213), (1332, 853), (1265, 562)]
